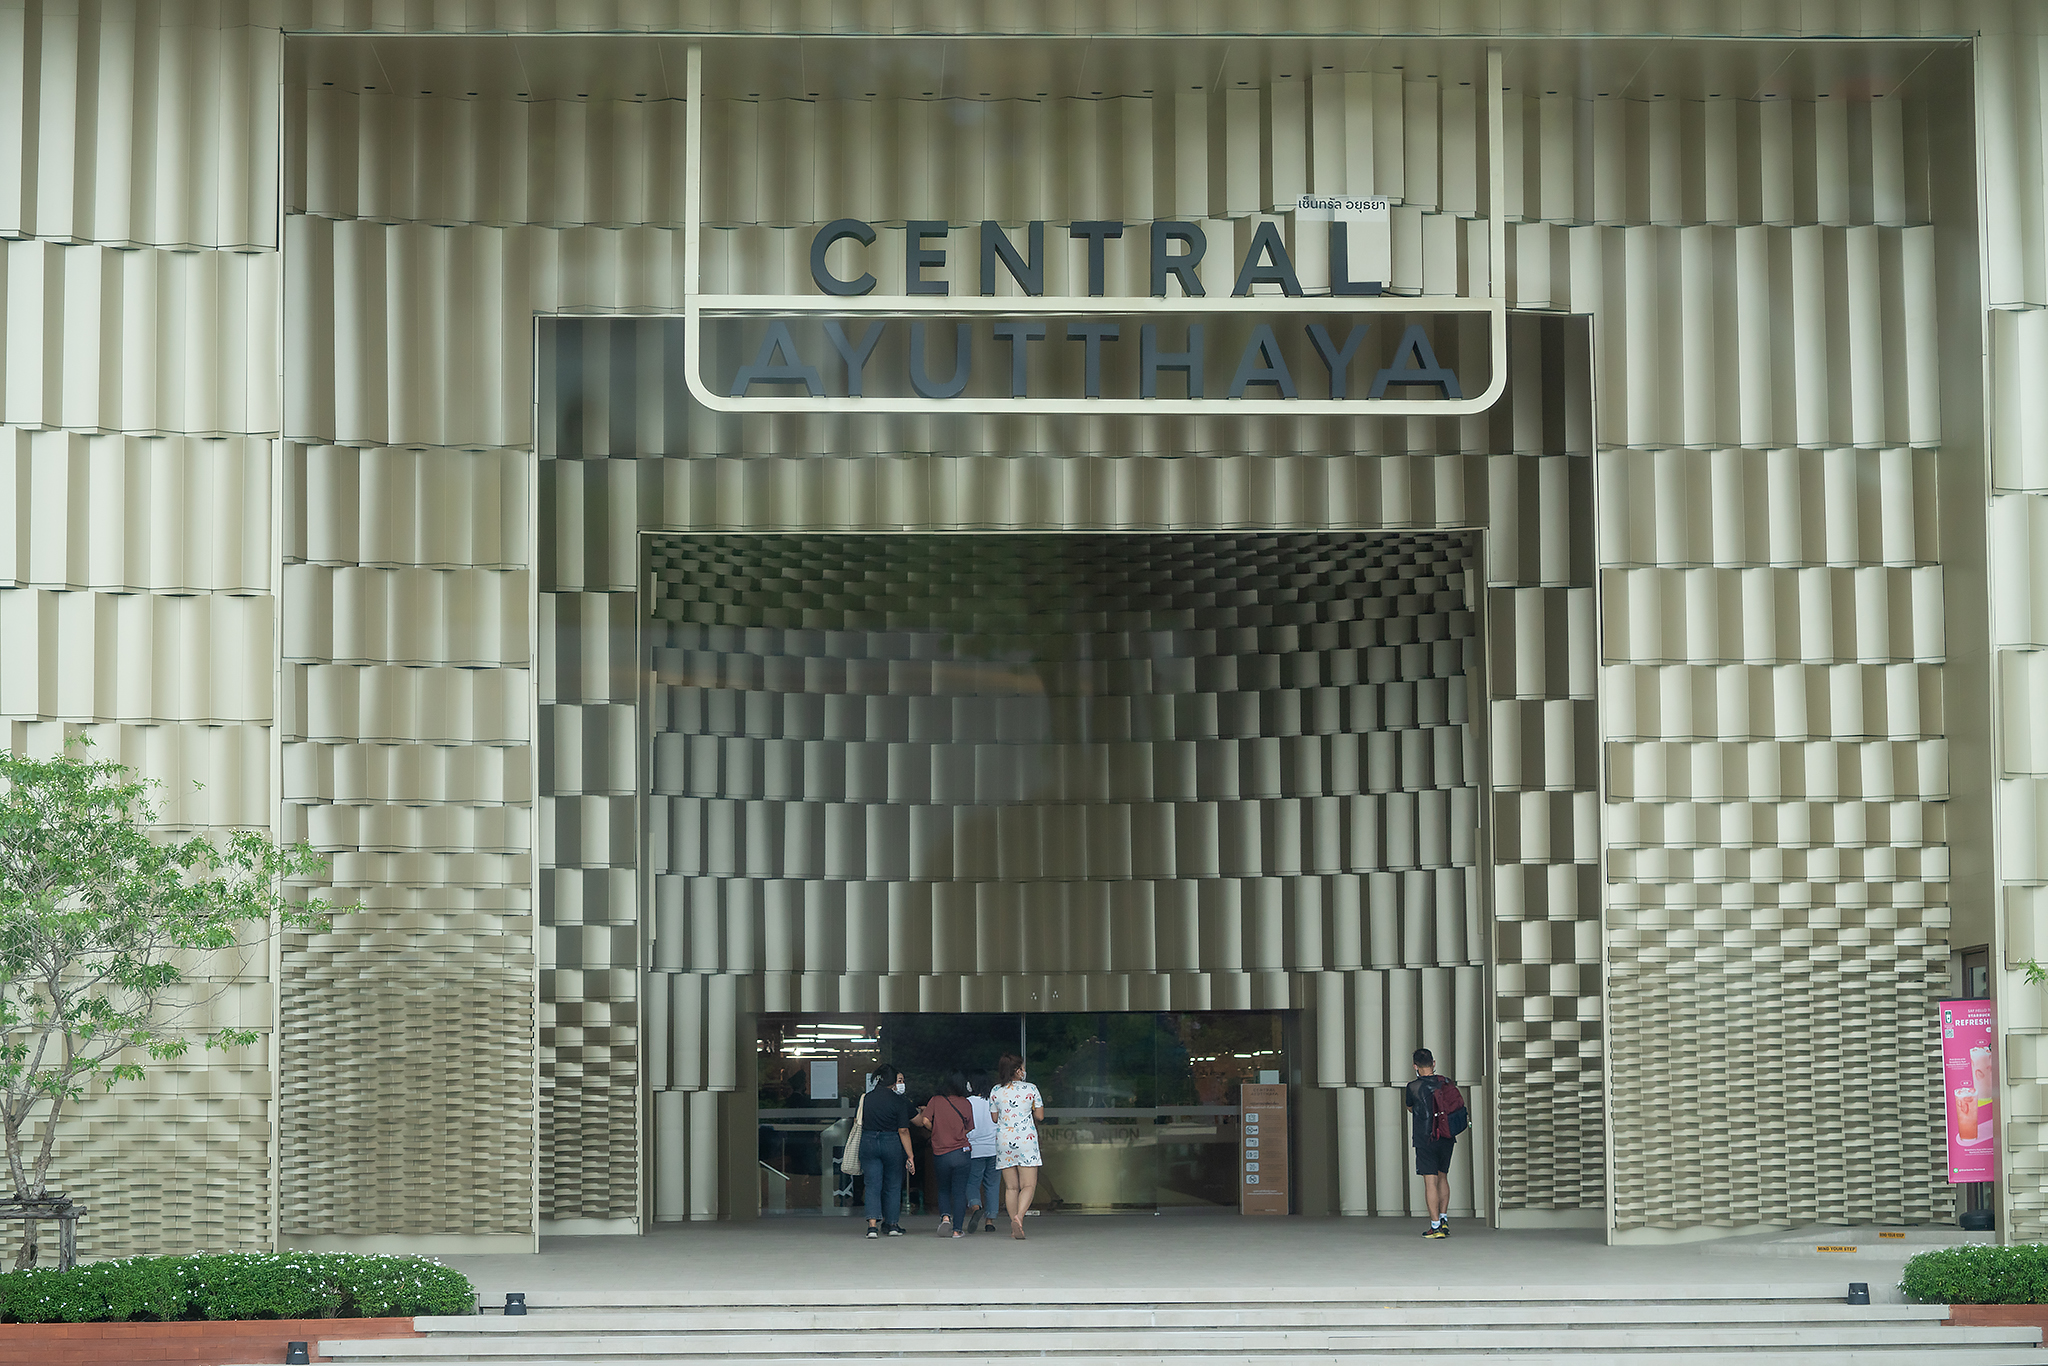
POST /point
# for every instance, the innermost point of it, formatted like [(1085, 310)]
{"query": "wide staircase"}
[(1753, 1325)]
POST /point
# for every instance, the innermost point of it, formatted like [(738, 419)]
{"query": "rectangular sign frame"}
[(697, 306)]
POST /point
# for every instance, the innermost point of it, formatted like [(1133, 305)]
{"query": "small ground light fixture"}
[(514, 1303), (295, 1354), (1859, 1292)]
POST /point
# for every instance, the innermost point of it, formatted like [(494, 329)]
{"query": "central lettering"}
[(1175, 248)]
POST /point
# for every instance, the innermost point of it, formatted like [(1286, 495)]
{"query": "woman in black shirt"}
[(885, 1114)]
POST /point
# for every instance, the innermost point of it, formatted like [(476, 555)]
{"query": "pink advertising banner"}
[(1969, 1074)]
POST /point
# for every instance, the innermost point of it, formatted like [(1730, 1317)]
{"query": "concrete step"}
[(1754, 1325), (1249, 1318), (1810, 1291), (1929, 1338), (1914, 1355)]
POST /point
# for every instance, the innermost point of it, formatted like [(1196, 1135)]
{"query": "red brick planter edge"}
[(226, 1343), (1998, 1316)]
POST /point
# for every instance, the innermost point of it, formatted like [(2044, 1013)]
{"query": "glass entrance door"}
[(1141, 1107)]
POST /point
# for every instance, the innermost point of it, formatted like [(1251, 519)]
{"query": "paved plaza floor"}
[(1379, 1257)]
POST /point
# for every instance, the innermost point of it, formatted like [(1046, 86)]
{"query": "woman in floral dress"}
[(1018, 1108)]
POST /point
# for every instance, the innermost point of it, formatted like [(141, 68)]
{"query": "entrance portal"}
[(1141, 1108), (1093, 796)]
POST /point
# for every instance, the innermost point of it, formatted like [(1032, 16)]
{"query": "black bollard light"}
[(1859, 1292), (295, 1354), (514, 1304)]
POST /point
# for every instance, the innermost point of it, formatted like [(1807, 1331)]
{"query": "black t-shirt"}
[(1420, 1112), (885, 1111)]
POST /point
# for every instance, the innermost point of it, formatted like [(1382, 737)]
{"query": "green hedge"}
[(288, 1285), (1978, 1273)]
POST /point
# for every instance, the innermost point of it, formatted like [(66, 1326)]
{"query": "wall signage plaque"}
[(1262, 1149)]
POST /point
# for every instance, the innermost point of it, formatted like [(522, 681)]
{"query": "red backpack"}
[(1447, 1113)]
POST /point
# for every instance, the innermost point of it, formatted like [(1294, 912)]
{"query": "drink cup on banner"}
[(1983, 1079), (1966, 1113)]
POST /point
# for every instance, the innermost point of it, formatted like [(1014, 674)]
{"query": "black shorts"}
[(1433, 1156)]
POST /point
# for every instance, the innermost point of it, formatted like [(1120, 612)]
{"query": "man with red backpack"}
[(1437, 1116)]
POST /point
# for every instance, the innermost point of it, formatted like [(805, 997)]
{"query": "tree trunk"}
[(25, 1256)]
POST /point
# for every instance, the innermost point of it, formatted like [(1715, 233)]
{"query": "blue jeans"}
[(951, 1169), (985, 1185), (881, 1166)]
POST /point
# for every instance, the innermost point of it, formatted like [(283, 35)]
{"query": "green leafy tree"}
[(100, 918)]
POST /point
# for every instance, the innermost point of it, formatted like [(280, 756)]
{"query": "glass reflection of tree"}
[(1227, 1050), (926, 1047)]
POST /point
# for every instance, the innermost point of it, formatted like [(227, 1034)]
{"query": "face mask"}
[(899, 1088)]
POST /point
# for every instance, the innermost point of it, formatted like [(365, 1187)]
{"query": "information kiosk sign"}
[(1262, 1183)]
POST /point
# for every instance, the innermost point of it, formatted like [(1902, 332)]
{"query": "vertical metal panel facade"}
[(1759, 672)]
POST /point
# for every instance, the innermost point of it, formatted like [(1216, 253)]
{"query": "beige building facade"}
[(1648, 727)]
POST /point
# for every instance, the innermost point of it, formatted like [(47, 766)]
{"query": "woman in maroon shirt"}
[(950, 1118)]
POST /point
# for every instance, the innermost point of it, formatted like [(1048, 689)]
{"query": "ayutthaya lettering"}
[(1181, 351)]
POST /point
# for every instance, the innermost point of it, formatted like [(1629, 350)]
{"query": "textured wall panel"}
[(154, 342), (1819, 365), (164, 515), (135, 656), (475, 617), (417, 335), (1773, 706), (2012, 75), (392, 156), (178, 1163), (135, 517), (444, 509), (342, 703), (1782, 507), (407, 759), (140, 124), (1684, 18), (1771, 616), (432, 1141), (212, 776)]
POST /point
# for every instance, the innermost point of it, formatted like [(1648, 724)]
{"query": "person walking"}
[(950, 1119), (1426, 1097), (1018, 1109), (984, 1182), (885, 1116)]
